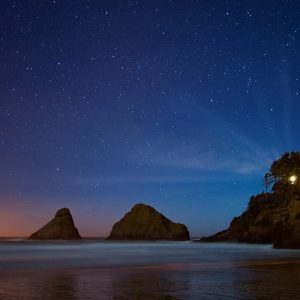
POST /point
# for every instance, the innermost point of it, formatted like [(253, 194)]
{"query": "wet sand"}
[(162, 270), (261, 279)]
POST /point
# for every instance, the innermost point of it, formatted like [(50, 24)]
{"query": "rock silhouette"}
[(61, 227), (143, 222), (274, 217)]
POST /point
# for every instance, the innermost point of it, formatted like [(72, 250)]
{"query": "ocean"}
[(98, 269)]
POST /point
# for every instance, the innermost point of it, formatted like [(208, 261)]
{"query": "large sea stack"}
[(271, 217), (143, 222), (61, 227)]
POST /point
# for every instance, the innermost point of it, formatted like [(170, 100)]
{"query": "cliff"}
[(143, 222), (61, 227), (273, 217)]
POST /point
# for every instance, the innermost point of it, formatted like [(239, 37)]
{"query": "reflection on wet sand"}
[(240, 281), (150, 285), (271, 281), (36, 285), (57, 287)]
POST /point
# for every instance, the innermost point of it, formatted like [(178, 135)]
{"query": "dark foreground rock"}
[(61, 227), (143, 222), (270, 218)]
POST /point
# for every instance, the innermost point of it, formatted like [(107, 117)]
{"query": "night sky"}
[(181, 105)]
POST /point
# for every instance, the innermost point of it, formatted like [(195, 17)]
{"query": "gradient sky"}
[(181, 105)]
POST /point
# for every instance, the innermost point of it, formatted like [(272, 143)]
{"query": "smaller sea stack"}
[(61, 227), (143, 222)]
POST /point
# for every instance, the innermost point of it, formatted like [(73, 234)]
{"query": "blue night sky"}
[(181, 105)]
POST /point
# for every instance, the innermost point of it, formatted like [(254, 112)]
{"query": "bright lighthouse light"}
[(293, 179)]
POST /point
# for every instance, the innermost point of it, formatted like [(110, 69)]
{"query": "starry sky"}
[(181, 105)]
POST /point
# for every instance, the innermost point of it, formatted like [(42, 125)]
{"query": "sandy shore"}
[(260, 279)]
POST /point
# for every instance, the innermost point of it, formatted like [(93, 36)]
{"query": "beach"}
[(162, 270)]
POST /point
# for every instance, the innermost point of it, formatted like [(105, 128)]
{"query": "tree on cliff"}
[(287, 165), (268, 180), (284, 170), (272, 217)]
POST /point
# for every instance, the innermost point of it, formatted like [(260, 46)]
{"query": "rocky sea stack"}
[(271, 217), (143, 222), (61, 227)]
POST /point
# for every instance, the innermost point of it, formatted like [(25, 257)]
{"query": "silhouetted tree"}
[(281, 171), (286, 166), (268, 180)]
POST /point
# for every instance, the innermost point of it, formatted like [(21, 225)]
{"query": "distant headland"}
[(271, 217)]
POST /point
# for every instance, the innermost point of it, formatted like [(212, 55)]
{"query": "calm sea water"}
[(162, 270)]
